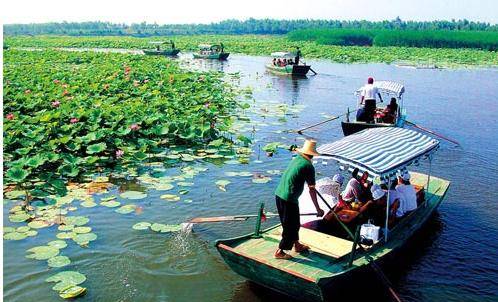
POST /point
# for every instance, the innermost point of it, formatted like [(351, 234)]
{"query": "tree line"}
[(250, 26)]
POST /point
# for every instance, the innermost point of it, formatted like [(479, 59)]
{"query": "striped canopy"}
[(380, 151), (388, 87)]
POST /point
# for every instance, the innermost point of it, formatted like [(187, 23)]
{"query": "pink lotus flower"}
[(56, 81), (134, 127), (207, 105), (56, 103), (136, 83), (10, 116), (74, 120), (119, 153), (146, 80), (27, 91)]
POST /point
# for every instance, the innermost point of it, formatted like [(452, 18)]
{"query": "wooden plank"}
[(319, 242)]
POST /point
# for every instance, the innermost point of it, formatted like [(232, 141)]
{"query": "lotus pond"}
[(109, 231)]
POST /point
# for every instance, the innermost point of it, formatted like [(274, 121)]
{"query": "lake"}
[(454, 258)]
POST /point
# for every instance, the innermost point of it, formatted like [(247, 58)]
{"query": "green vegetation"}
[(76, 113), (264, 45), (408, 38), (250, 26)]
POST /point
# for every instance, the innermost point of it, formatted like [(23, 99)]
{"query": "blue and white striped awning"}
[(380, 151), (388, 87)]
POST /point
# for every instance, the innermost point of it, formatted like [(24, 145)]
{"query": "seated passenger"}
[(378, 206), (289, 62), (408, 200), (353, 191), (390, 112), (274, 62)]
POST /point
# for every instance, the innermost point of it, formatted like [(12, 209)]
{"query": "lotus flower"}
[(136, 83), (74, 120), (56, 81), (146, 80), (207, 105), (119, 153), (56, 103), (27, 91), (65, 93), (134, 127), (10, 116), (106, 86), (127, 70)]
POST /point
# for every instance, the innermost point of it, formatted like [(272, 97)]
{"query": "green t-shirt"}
[(299, 171)]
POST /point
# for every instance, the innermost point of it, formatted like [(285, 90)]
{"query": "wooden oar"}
[(370, 260), (313, 71), (300, 131), (432, 132), (235, 218)]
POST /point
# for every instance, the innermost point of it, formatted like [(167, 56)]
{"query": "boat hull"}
[(217, 56), (168, 52), (318, 276), (295, 70)]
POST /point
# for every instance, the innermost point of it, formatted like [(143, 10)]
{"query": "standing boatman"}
[(299, 171), (298, 56)]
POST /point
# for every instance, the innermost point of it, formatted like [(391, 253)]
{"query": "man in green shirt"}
[(291, 186)]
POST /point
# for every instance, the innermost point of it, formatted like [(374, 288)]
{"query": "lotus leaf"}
[(96, 148), (43, 252), (274, 172), (77, 220), (31, 233), (261, 180), (65, 235), (164, 187), (108, 198), (16, 174), (222, 183), (15, 194), (170, 197), (60, 244), (65, 227), (58, 261), (84, 238), (172, 156), (8, 230), (126, 209), (19, 217), (183, 192), (14, 236), (82, 230), (214, 156), (110, 203), (185, 184), (141, 225), (188, 200), (22, 229), (133, 195), (165, 228), (70, 277), (38, 224), (88, 204), (72, 292)]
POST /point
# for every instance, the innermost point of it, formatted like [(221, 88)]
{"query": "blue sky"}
[(206, 11)]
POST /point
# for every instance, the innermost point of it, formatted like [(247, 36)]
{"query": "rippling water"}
[(455, 257)]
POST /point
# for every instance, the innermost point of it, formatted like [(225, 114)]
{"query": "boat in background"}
[(173, 51), (334, 261), (285, 68), (386, 89), (208, 51)]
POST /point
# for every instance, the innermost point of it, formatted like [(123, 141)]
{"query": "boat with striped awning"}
[(335, 260), (378, 117)]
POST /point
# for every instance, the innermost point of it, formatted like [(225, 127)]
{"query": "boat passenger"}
[(274, 61), (408, 201), (157, 48), (391, 111), (289, 62), (377, 207), (367, 101), (290, 187)]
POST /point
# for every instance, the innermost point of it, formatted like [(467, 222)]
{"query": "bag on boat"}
[(370, 231)]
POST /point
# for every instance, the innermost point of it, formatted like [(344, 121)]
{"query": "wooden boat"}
[(387, 89), (161, 52), (208, 51), (288, 69), (333, 261)]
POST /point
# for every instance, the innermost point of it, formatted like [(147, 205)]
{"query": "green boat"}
[(173, 51), (208, 51), (334, 261), (287, 69)]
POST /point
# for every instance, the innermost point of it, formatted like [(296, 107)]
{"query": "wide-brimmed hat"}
[(309, 148), (404, 175), (378, 194), (338, 178)]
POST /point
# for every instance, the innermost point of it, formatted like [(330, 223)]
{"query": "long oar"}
[(300, 131), (432, 132), (235, 218), (313, 71), (383, 278)]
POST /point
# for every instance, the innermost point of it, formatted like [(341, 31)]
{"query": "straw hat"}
[(309, 148), (378, 194)]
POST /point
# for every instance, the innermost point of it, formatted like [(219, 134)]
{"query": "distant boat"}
[(404, 64), (386, 89), (334, 261), (286, 69), (162, 52), (208, 51)]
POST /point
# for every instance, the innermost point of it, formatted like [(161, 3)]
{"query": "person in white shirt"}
[(367, 101), (408, 200)]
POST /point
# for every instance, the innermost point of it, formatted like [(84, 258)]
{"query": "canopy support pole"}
[(386, 230), (429, 175)]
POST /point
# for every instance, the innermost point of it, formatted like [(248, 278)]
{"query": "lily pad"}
[(88, 204), (82, 230), (183, 192), (222, 183), (65, 227), (14, 236), (60, 244), (188, 200), (38, 224), (65, 235), (31, 233), (70, 277), (133, 195), (108, 198), (15, 194), (8, 230), (84, 238), (77, 220), (72, 292), (170, 197), (58, 261), (19, 217), (165, 228), (110, 203), (23, 229), (141, 225), (42, 252), (164, 187), (126, 209), (261, 180)]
